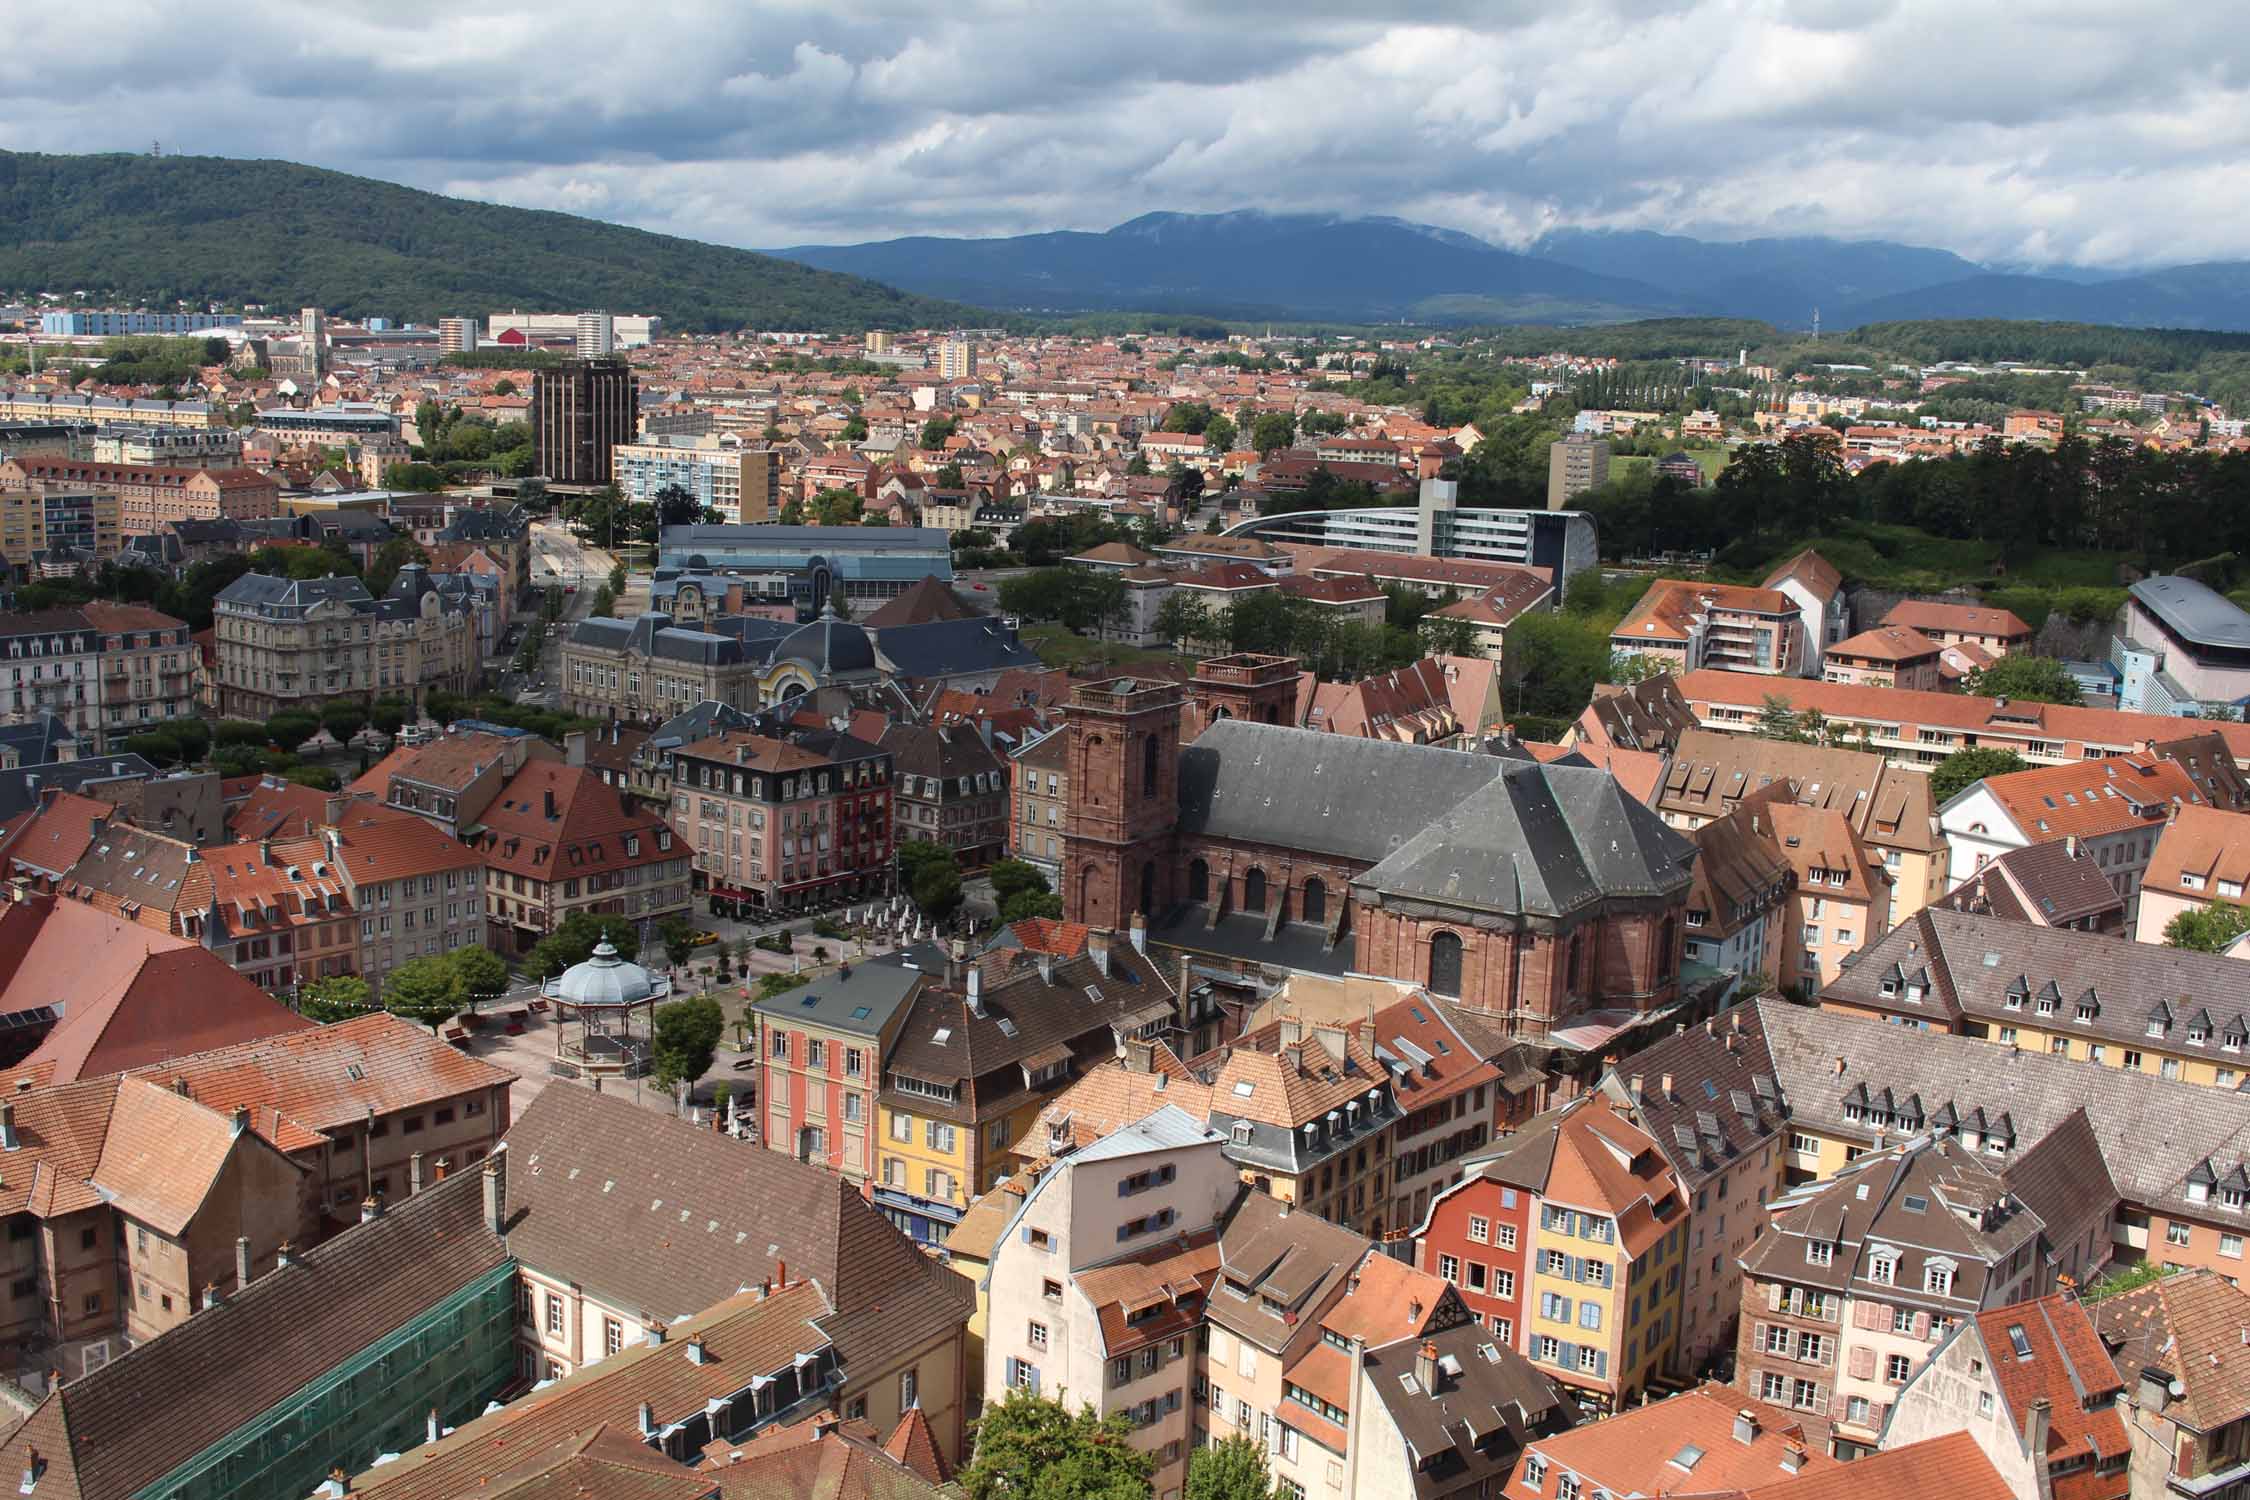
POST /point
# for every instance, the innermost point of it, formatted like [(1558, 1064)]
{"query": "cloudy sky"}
[(2020, 131)]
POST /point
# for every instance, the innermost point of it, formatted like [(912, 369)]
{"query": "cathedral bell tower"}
[(1123, 802)]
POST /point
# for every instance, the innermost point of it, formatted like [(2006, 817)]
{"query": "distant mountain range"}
[(198, 228), (209, 228), (1249, 264)]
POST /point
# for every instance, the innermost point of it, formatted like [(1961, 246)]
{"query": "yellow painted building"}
[(1601, 1310)]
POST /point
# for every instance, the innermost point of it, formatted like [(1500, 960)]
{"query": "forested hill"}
[(143, 229)]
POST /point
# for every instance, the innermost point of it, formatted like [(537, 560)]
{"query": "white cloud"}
[(2034, 131)]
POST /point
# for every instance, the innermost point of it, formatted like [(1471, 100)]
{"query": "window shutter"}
[(1921, 1325), (1027, 1234), (1880, 1415), (1569, 1355), (1863, 1364), (1773, 1296), (1011, 1371), (1820, 1400), (1035, 1380), (1758, 1337)]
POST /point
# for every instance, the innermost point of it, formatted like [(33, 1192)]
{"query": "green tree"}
[(1025, 904), (676, 507), (837, 507), (478, 975), (1273, 429), (1964, 768), (679, 940), (423, 990), (1218, 434), (343, 718), (1778, 721), (389, 558), (1452, 637), (1138, 468), (937, 891), (2210, 929), (573, 942), (934, 433), (1549, 664), (1010, 876), (2026, 679), (949, 477), (319, 778), (389, 714), (1183, 618), (1032, 1447), (1234, 1469), (336, 998), (503, 387), (291, 728), (686, 1039)]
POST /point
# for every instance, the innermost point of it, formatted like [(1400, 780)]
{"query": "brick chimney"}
[(1139, 1054), (242, 1119)]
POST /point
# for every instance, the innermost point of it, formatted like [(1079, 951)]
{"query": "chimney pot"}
[(370, 1209), (241, 1118), (1139, 933), (1097, 946), (653, 1334), (211, 1297), (695, 1352), (284, 1255), (1664, 1085), (434, 1430), (1425, 1367), (414, 1173), (1745, 1426), (180, 1085), (241, 1261)]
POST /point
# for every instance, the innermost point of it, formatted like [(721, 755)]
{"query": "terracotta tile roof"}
[(1891, 643), (1809, 568), (913, 1446), (1045, 935), (1388, 1300), (2109, 728), (1586, 1172), (130, 996), (840, 1463), (49, 839), (324, 1078), (2048, 1348), (270, 807), (1439, 1062), (979, 1231), (2051, 884), (1667, 611), (743, 1336), (1178, 1273), (1633, 1452), (644, 1210), (302, 1320), (2092, 797), (585, 835), (1952, 1466), (1935, 618), (2205, 843), (1288, 1086), (377, 843), (2189, 1326), (1110, 1096), (162, 1154)]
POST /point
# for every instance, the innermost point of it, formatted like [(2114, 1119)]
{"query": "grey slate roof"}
[(293, 595), (1977, 964), (860, 998), (2153, 1131), (20, 788), (952, 648), (1329, 794), (1541, 840), (1442, 825), (1468, 1432)]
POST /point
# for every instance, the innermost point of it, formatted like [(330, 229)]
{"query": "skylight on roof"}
[(1243, 1088), (2018, 1342), (861, 1012), (943, 1035), (1914, 1203)]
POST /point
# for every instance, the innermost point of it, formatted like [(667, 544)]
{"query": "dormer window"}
[(1882, 1267)]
